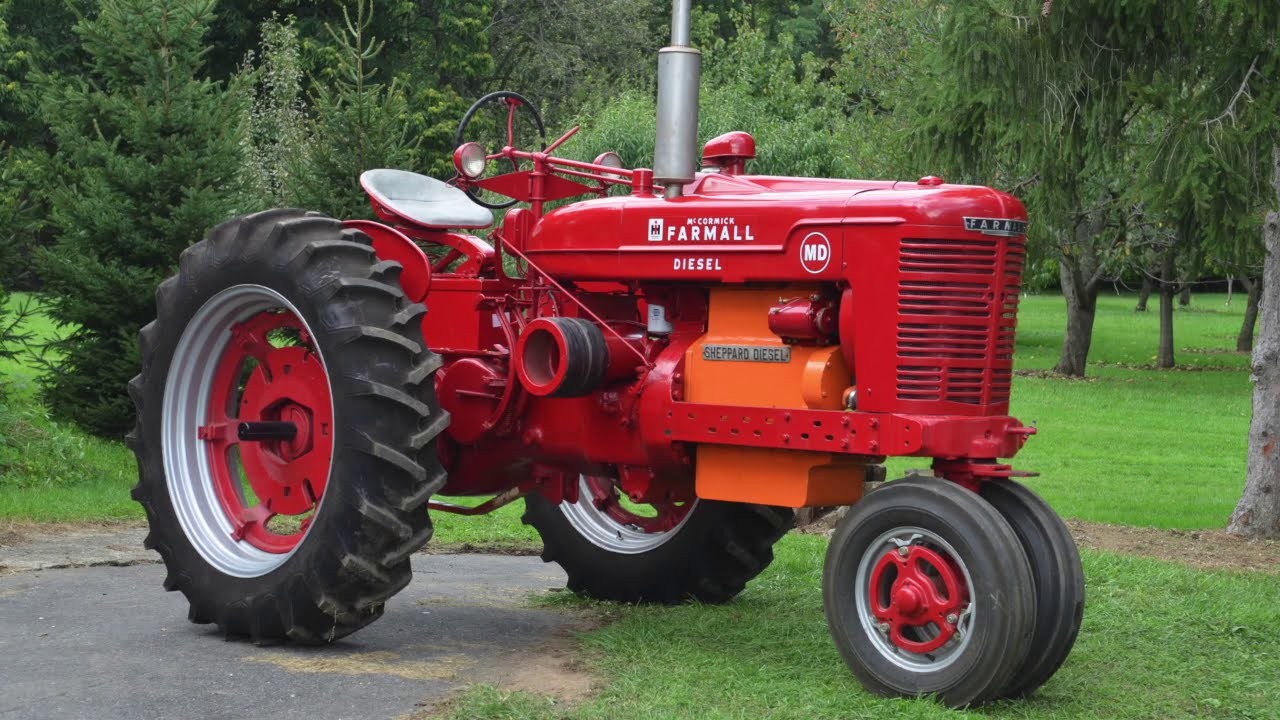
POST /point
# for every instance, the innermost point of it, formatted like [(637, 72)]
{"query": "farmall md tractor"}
[(661, 374)]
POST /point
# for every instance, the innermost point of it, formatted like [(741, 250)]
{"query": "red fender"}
[(391, 244)]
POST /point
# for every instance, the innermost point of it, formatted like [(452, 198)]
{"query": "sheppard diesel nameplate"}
[(747, 353)]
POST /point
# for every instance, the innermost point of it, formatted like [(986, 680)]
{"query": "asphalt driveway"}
[(107, 642)]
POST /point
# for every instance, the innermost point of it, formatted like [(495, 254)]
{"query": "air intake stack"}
[(675, 154)]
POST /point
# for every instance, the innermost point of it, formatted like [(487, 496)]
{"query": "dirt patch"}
[(1051, 375), (15, 532), (28, 546), (440, 667), (558, 670), (1150, 367), (489, 548), (1214, 351), (1201, 549), (820, 523)]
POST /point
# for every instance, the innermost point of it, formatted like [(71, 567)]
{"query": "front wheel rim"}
[(600, 517), (914, 598), (247, 356)]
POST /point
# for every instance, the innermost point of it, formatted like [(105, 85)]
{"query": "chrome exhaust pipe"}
[(675, 154)]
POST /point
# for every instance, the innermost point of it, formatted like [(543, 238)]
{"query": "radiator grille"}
[(957, 307)]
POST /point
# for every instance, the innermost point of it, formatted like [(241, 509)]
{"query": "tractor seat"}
[(424, 200)]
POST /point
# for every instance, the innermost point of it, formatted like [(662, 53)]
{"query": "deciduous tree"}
[(1258, 513)]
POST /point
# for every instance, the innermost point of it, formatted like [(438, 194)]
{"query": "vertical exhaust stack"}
[(675, 154)]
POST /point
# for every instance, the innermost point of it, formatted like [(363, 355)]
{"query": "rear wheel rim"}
[(602, 518), (247, 355), (914, 597)]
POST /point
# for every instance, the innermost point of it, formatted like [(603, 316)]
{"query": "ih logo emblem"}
[(815, 253), (656, 226)]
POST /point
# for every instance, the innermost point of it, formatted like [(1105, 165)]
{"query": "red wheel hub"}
[(606, 497), (920, 593), (270, 373)]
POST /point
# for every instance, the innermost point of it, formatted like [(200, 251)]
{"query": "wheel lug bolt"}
[(953, 618), (904, 551)]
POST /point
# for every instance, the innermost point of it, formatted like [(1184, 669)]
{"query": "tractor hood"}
[(761, 228)]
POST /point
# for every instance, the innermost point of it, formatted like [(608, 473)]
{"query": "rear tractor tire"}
[(702, 550), (286, 424), (928, 592)]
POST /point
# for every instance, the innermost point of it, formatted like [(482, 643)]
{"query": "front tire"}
[(928, 592), (708, 554), (1059, 581), (286, 418)]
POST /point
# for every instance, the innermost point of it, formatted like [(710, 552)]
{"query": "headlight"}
[(610, 159), (470, 159)]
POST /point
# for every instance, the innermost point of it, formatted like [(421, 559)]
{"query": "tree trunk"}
[(1168, 289), (1258, 514), (1244, 342), (1081, 309), (1078, 275), (1185, 298), (1144, 294)]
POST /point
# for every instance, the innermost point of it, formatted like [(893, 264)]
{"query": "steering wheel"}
[(486, 115)]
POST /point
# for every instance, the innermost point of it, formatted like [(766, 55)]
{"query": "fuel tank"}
[(753, 228)]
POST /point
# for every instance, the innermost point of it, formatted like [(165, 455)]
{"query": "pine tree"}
[(14, 99), (149, 154), (359, 125)]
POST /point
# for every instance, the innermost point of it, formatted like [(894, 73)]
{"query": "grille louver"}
[(957, 307)]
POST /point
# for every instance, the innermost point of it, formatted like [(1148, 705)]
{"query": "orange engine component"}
[(741, 362)]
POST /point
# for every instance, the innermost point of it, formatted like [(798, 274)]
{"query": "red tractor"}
[(663, 373)]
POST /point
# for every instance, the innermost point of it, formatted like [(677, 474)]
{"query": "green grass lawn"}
[(51, 471)]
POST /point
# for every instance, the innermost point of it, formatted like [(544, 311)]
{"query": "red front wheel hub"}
[(269, 484), (915, 597), (920, 594)]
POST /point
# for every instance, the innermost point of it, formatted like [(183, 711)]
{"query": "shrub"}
[(275, 124)]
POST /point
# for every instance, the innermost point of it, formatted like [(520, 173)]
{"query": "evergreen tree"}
[(8, 328), (11, 260), (8, 200), (359, 124), (35, 37), (441, 59), (148, 152)]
